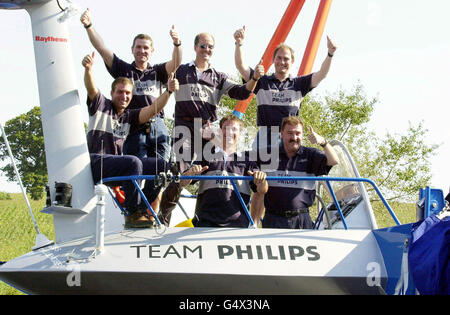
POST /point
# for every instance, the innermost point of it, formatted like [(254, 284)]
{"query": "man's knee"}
[(133, 164)]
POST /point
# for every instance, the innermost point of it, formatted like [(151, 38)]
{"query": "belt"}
[(288, 213), (191, 119)]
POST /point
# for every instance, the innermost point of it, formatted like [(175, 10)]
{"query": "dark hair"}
[(142, 36), (283, 47), (121, 80)]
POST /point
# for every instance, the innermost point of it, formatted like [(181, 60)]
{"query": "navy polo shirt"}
[(277, 100), (198, 97), (217, 201), (148, 84), (105, 124), (290, 194)]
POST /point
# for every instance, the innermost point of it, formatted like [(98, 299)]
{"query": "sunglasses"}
[(204, 46)]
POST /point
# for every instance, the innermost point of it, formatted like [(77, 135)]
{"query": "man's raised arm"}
[(177, 53), (96, 40), (243, 69), (149, 111), (318, 76), (89, 82)]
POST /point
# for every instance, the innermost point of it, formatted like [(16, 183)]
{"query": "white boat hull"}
[(206, 261)]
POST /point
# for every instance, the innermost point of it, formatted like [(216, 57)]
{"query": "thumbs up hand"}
[(88, 61), (175, 36), (85, 18), (259, 71), (315, 138), (239, 35), (172, 84)]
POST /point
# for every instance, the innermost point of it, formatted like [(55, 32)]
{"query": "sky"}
[(397, 50)]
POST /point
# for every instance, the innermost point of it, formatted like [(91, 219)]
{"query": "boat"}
[(345, 253)]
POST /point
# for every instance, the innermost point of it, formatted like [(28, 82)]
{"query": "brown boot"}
[(138, 220), (169, 200)]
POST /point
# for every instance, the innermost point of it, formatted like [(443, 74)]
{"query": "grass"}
[(18, 236), (17, 232)]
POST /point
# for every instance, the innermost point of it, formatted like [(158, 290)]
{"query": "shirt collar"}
[(149, 66), (224, 154), (274, 78), (299, 152), (192, 64)]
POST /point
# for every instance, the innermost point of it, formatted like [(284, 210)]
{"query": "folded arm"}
[(149, 111)]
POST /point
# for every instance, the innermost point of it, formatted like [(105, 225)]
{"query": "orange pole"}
[(280, 35), (314, 38)]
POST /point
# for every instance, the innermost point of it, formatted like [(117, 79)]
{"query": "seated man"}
[(109, 124), (152, 138), (217, 203), (287, 201)]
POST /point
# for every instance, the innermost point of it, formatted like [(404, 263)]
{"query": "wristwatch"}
[(324, 144)]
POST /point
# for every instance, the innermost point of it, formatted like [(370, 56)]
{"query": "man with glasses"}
[(201, 88)]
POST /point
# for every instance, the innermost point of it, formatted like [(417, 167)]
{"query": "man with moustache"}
[(287, 201)]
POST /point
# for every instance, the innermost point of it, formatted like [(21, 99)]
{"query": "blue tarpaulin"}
[(429, 255)]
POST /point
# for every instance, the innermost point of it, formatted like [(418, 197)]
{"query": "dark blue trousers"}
[(300, 221), (127, 165)]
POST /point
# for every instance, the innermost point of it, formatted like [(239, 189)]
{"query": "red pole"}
[(314, 38), (280, 35)]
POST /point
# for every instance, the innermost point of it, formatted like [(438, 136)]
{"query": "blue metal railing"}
[(232, 179)]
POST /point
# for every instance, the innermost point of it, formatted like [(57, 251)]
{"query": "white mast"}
[(65, 139)]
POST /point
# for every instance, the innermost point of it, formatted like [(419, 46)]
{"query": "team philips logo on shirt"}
[(144, 87), (279, 97), (120, 130), (198, 92)]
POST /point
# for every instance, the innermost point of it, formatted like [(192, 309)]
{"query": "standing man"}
[(151, 139), (287, 201), (110, 121), (217, 203), (279, 95), (201, 88)]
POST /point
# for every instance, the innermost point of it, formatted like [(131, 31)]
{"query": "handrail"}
[(135, 178), (337, 143)]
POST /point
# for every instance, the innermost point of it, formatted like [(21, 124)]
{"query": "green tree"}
[(399, 164), (26, 140)]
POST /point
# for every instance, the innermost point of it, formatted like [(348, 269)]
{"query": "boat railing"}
[(167, 177)]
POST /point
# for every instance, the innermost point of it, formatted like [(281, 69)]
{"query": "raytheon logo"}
[(50, 39)]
